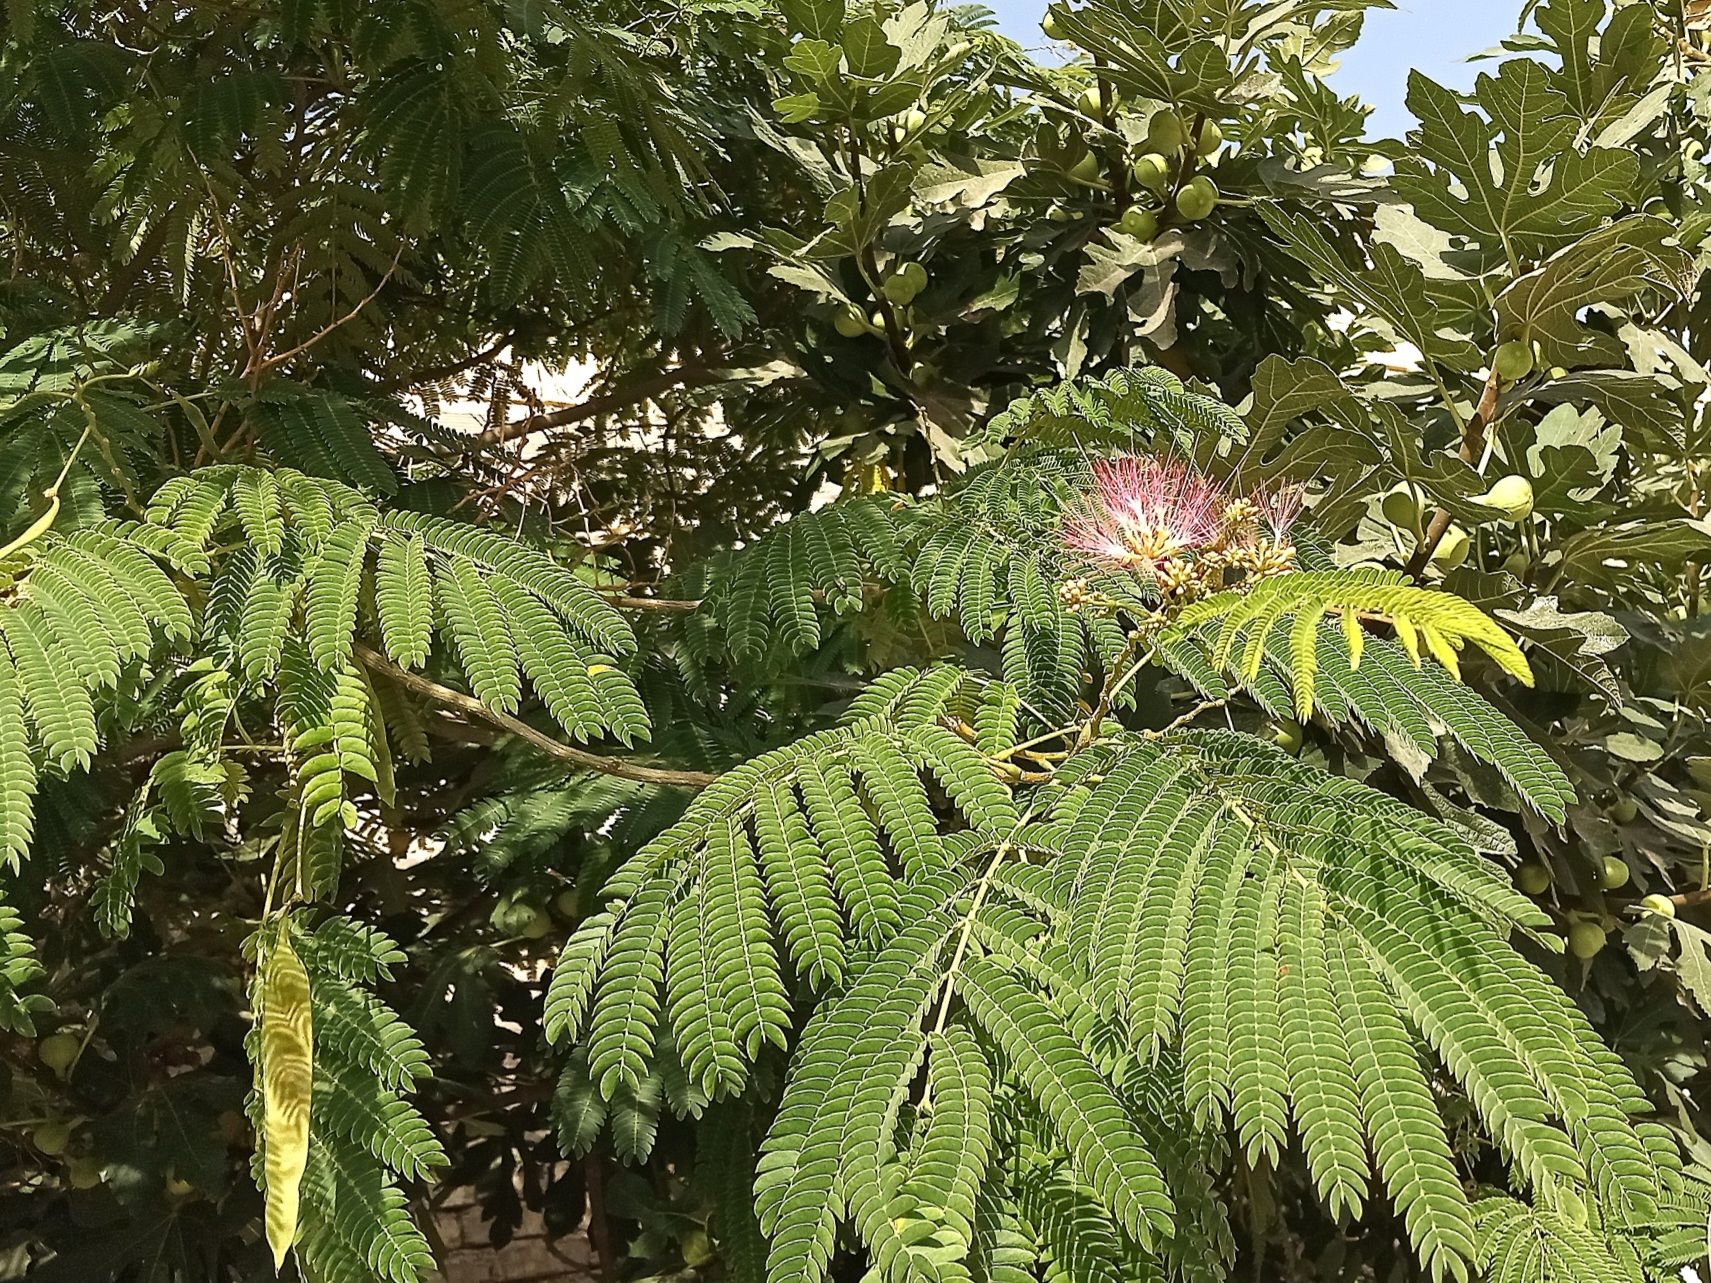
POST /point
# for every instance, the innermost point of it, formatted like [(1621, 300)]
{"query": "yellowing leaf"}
[(287, 1072)]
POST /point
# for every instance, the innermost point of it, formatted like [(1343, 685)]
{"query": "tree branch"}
[(468, 704), (669, 605), (1472, 446), (621, 397)]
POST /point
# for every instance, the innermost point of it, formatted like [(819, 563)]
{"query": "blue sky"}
[(1437, 36)]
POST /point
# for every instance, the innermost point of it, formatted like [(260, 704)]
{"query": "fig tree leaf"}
[(869, 54), (1512, 184), (820, 19), (1578, 641), (1612, 556), (1391, 286), (1611, 265)]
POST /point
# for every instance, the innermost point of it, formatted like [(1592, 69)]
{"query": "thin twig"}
[(376, 662), (327, 329), (667, 604)]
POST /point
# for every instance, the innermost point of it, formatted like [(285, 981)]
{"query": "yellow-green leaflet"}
[(287, 1070)]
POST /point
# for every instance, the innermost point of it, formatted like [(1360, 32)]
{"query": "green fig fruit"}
[(536, 925), (1152, 171), (1140, 223), (59, 1051), (1052, 26), (1198, 198), (1401, 507), (915, 121), (567, 903), (1289, 735), (83, 1173), (1513, 494), (697, 1249), (1661, 905), (1533, 879), (1624, 810), (1086, 169), (1513, 360), (1166, 132), (1586, 940), (1613, 873), (1452, 549), (511, 915), (1211, 138), (849, 321), (1091, 101), (51, 1138), (899, 289)]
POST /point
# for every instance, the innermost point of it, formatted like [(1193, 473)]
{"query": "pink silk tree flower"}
[(1143, 512), (1278, 509)]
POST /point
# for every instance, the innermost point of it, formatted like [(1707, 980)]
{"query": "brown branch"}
[(469, 705), (445, 370), (327, 329), (621, 397), (1472, 446), (666, 604)]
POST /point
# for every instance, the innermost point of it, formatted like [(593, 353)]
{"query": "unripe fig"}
[(1140, 223), (915, 121), (1613, 873), (178, 1187), (1513, 360), (536, 925), (1166, 132), (511, 915), (83, 1173), (1533, 879), (697, 1249), (1086, 169), (876, 321), (1059, 214), (1211, 138), (1051, 26), (1586, 940), (568, 903), (1661, 905), (1451, 550), (1513, 494), (900, 289), (1198, 198), (51, 1138), (1517, 563), (58, 1051), (1624, 810), (1289, 735), (849, 321), (915, 272), (1091, 101), (1401, 507), (1151, 170)]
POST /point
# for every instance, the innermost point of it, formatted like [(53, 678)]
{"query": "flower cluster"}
[(1170, 523)]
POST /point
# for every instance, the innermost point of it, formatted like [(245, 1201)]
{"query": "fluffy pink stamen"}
[(1144, 511), (1279, 508)]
